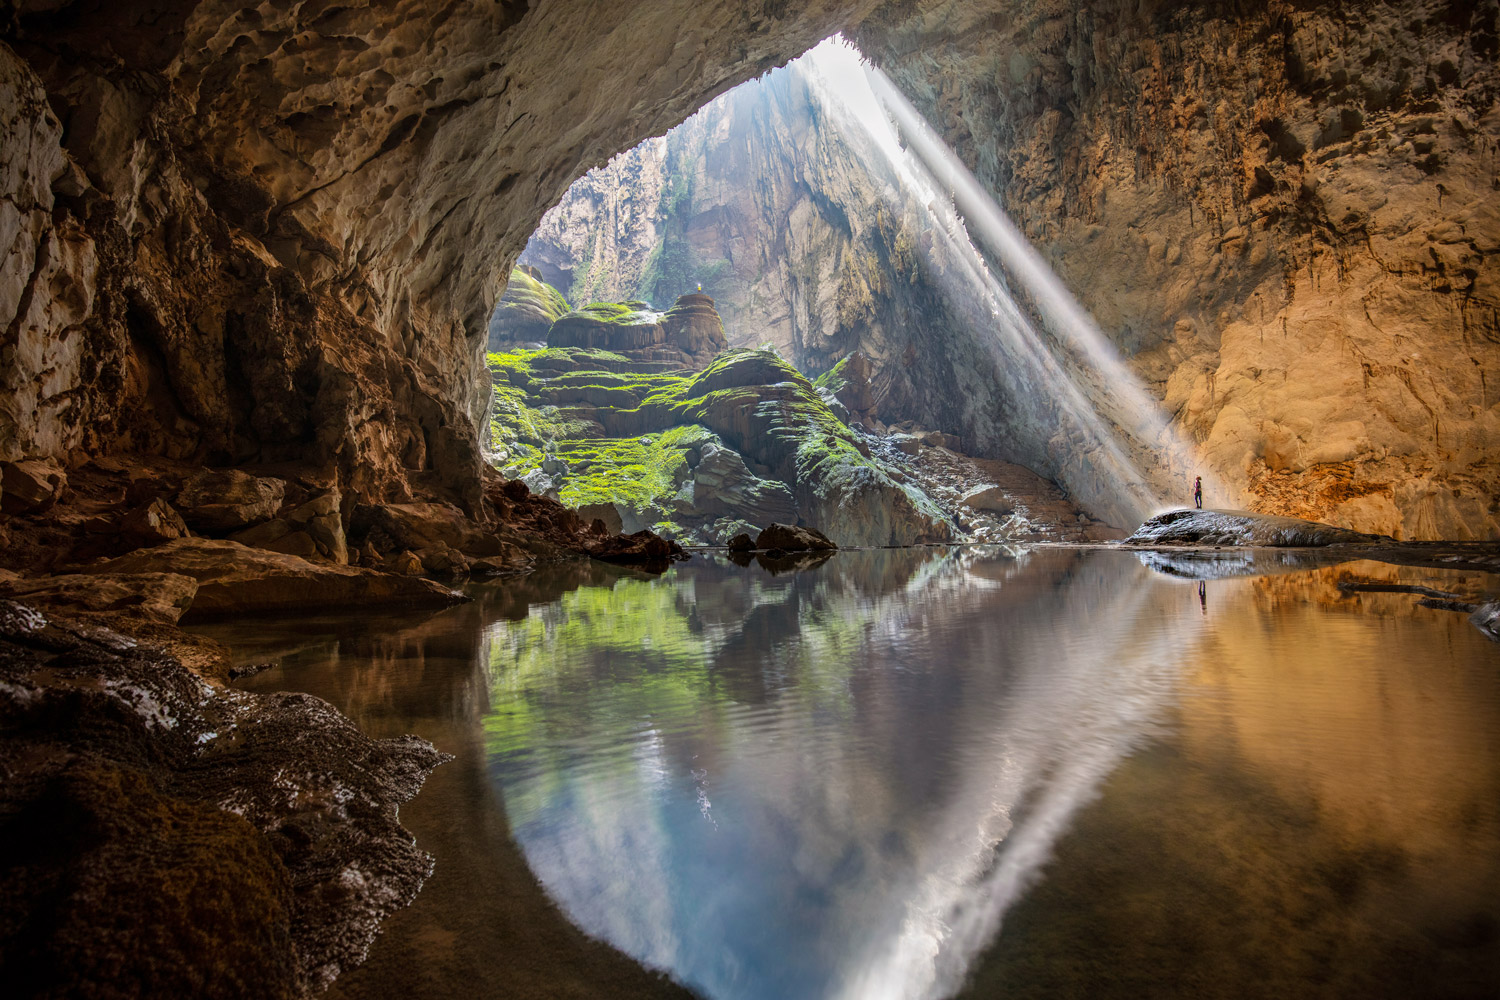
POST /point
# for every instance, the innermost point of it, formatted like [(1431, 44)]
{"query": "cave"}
[(870, 498)]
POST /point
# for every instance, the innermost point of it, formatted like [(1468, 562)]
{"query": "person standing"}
[(1198, 492)]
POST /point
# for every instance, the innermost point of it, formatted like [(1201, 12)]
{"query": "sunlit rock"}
[(234, 579), (1239, 527)]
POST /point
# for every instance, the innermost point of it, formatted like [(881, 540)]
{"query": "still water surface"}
[(922, 773)]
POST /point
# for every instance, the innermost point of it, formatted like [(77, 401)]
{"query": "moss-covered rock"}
[(526, 311), (747, 440), (612, 326)]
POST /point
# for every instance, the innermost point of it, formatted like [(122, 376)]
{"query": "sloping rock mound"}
[(526, 311), (158, 597), (1240, 527), (793, 538), (234, 579), (164, 837)]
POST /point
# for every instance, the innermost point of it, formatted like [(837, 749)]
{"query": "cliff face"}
[(1284, 215), (803, 243), (241, 234)]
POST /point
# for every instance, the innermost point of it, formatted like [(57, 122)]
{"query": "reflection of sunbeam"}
[(876, 811), (1111, 443), (1066, 730)]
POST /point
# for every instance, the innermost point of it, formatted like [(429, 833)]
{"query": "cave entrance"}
[(798, 296)]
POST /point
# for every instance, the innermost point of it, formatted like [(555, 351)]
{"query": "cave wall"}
[(269, 233), (1284, 214)]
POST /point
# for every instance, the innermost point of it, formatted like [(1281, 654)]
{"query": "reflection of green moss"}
[(644, 653)]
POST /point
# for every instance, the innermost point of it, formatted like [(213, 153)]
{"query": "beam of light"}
[(1110, 443)]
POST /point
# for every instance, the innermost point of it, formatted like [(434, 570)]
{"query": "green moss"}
[(754, 401), (635, 472), (528, 292), (620, 313), (836, 377)]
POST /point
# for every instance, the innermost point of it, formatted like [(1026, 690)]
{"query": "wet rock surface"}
[(1240, 527), (164, 837), (793, 538), (235, 579), (989, 500)]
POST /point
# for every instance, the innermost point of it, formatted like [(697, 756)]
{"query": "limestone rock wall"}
[(248, 233), (803, 242), (1285, 215)]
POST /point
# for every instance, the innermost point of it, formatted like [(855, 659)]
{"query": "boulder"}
[(1486, 618), (644, 548), (151, 524), (907, 444), (30, 486), (406, 563), (444, 561), (741, 543), (605, 512), (234, 579), (693, 325), (793, 538), (991, 499), (218, 501), (1240, 527), (313, 531), (854, 389), (159, 597), (420, 527)]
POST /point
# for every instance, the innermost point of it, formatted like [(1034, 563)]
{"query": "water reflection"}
[(844, 781)]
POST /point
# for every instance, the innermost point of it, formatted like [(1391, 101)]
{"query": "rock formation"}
[(689, 335), (1284, 215), (241, 235), (699, 455), (762, 203), (526, 311)]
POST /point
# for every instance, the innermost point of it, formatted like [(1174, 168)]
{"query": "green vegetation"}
[(620, 313), (634, 472), (532, 293), (623, 434), (835, 378)]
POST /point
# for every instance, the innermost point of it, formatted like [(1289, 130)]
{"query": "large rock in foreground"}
[(234, 579), (1240, 527), (167, 838)]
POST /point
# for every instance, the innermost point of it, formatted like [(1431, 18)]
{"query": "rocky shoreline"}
[(262, 829), (168, 837)]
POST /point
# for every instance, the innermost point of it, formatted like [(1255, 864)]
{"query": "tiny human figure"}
[(1203, 596), (1198, 492)]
